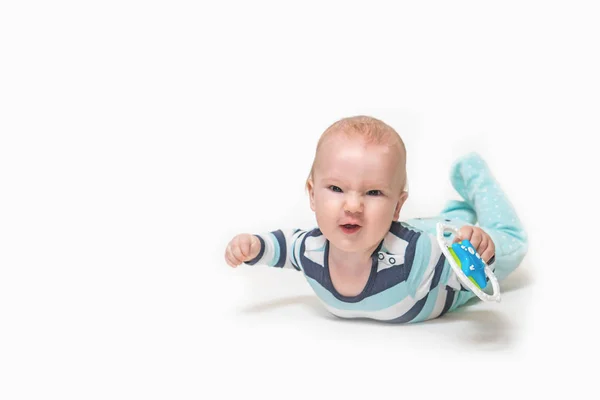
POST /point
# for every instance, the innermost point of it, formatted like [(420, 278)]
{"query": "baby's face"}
[(355, 192)]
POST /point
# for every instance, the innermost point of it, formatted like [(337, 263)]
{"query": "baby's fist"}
[(481, 241), (243, 247)]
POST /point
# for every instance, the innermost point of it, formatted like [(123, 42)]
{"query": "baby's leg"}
[(473, 180), (459, 211)]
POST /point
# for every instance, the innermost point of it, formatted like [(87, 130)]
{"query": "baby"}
[(361, 261)]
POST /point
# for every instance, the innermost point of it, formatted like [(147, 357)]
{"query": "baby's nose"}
[(353, 203)]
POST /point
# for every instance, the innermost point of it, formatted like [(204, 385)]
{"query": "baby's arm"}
[(275, 249)]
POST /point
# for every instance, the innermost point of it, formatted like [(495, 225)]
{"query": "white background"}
[(136, 138)]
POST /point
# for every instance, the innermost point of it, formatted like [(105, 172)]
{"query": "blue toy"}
[(468, 265), (470, 262)]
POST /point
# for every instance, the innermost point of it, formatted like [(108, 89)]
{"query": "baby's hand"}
[(243, 247), (481, 241)]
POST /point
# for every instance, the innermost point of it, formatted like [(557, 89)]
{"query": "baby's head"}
[(357, 184)]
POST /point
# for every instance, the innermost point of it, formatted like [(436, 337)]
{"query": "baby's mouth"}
[(350, 228)]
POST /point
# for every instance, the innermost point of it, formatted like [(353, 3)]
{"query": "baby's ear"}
[(401, 200), (311, 193)]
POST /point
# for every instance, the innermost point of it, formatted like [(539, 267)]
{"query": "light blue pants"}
[(486, 206)]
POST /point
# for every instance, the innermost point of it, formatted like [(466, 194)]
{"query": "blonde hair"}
[(372, 131)]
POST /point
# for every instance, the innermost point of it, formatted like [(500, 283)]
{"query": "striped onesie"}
[(410, 279)]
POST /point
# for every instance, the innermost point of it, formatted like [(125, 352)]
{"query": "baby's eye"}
[(335, 189), (374, 193)]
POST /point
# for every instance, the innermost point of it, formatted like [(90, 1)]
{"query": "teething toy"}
[(470, 269)]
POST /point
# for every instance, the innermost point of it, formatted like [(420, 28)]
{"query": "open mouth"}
[(350, 228)]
